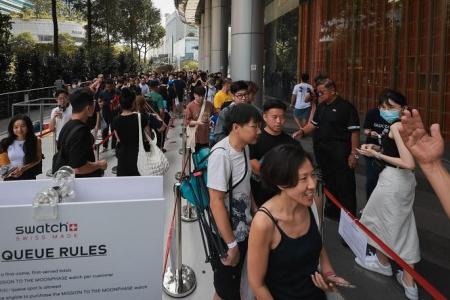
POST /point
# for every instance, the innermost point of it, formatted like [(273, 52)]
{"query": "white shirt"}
[(210, 93), (144, 89), (221, 164), (301, 90), (16, 153), (60, 122)]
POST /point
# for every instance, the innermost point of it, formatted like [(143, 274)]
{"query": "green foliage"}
[(24, 63), (189, 65), (6, 55), (22, 43)]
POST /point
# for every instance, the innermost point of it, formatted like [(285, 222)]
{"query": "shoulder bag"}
[(190, 131), (154, 162)]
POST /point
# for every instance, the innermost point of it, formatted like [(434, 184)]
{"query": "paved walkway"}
[(434, 230)]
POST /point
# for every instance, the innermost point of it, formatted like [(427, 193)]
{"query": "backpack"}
[(59, 159), (194, 189), (194, 186)]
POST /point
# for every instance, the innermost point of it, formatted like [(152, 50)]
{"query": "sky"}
[(166, 6)]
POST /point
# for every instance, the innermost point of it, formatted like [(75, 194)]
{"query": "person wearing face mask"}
[(389, 211), (374, 128)]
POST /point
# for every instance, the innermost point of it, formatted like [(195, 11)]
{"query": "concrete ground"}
[(433, 226)]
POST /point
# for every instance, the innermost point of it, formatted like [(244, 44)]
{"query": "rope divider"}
[(417, 277)]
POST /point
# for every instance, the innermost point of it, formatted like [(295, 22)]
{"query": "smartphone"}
[(348, 285)]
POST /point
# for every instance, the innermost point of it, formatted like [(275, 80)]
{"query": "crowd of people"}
[(261, 182)]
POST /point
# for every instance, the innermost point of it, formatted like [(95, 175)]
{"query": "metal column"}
[(247, 42), (219, 36), (207, 39)]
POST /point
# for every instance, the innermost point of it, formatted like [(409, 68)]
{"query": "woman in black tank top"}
[(285, 246)]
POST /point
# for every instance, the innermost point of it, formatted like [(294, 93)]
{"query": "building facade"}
[(181, 40), (42, 29), (14, 6), (364, 45)]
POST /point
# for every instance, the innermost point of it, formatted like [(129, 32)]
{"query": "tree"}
[(189, 65), (55, 29), (22, 43), (5, 51)]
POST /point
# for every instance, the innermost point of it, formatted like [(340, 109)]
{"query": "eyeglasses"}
[(241, 95)]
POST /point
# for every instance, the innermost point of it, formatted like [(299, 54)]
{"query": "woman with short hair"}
[(285, 247)]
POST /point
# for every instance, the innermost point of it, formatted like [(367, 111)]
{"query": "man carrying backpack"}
[(229, 173)]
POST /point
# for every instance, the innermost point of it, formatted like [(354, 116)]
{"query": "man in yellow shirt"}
[(223, 95)]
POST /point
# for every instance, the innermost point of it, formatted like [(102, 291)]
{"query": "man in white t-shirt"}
[(302, 96), (61, 114), (144, 87), (229, 159)]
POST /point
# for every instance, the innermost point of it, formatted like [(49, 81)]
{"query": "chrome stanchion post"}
[(189, 213), (49, 172), (179, 280)]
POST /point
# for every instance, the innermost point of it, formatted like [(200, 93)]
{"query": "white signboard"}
[(102, 249), (353, 236)]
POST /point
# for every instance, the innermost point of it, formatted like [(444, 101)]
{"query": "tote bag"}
[(154, 162), (190, 131)]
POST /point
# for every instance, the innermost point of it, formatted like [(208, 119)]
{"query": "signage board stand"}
[(106, 244)]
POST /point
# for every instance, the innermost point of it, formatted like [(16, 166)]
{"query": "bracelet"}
[(232, 244)]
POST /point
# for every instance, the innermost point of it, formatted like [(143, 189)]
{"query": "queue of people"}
[(262, 183)]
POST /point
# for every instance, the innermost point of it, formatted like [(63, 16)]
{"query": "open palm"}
[(424, 147)]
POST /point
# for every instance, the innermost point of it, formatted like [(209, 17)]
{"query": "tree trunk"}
[(55, 29), (108, 38), (145, 52), (89, 25)]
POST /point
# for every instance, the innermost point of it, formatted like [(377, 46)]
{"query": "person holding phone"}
[(389, 212), (285, 247)]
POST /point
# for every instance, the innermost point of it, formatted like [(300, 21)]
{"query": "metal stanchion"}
[(49, 172), (179, 280), (189, 213)]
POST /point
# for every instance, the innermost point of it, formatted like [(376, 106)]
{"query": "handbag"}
[(190, 131), (154, 162), (4, 159)]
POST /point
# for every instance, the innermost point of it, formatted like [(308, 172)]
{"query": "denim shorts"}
[(303, 113)]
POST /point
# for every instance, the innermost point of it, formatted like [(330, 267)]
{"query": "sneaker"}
[(372, 263), (411, 292), (104, 150)]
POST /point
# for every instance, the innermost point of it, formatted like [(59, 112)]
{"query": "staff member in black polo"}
[(336, 136)]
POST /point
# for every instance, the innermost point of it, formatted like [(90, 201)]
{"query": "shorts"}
[(227, 280), (302, 113)]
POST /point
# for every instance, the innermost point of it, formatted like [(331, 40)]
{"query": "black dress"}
[(128, 147), (292, 262)]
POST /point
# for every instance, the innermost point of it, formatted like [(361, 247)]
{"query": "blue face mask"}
[(390, 115)]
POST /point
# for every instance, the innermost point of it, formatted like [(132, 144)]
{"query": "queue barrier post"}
[(179, 280), (189, 213)]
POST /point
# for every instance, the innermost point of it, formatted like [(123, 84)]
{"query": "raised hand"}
[(424, 147)]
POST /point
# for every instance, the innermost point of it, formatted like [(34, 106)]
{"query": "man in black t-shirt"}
[(108, 95), (336, 136), (271, 136), (76, 141), (374, 128), (179, 86)]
